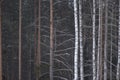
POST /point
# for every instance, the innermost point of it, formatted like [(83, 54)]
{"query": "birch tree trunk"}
[(93, 51), (118, 64), (20, 25), (76, 41), (99, 41), (80, 37), (51, 40), (105, 44), (0, 42)]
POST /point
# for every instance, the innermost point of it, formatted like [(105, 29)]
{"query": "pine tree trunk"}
[(93, 51), (20, 23), (76, 41), (38, 46), (80, 37), (0, 42), (51, 40)]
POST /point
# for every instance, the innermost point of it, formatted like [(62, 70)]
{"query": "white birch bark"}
[(80, 36), (105, 44), (118, 64), (76, 41), (93, 51)]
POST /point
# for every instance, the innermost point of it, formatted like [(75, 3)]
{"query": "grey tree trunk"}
[(80, 37), (76, 41), (35, 37), (99, 42), (105, 44), (94, 45), (111, 47)]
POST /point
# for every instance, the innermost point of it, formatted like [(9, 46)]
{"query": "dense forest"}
[(59, 39)]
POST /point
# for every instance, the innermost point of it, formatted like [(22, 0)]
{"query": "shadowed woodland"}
[(60, 40)]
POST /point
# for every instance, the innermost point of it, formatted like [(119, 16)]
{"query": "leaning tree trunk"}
[(105, 44), (118, 64), (20, 25), (80, 37), (93, 51), (0, 43), (76, 41), (51, 40)]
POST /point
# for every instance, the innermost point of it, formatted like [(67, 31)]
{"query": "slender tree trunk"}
[(118, 64), (99, 71), (76, 41), (38, 46), (93, 55), (105, 44), (20, 25), (35, 37), (80, 37), (0, 42), (37, 16), (51, 40), (111, 47)]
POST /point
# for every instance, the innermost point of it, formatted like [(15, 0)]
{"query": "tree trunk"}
[(76, 41), (51, 40), (93, 51), (105, 44), (20, 25), (35, 38), (38, 46), (111, 46), (99, 55), (80, 37)]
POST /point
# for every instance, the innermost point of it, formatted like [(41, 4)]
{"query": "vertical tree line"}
[(76, 41), (94, 44), (51, 40), (20, 39), (106, 39), (81, 41), (99, 54)]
